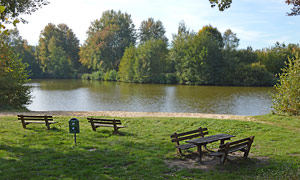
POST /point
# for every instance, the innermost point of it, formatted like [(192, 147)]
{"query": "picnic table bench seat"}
[(243, 145), (99, 122), (31, 119), (181, 137)]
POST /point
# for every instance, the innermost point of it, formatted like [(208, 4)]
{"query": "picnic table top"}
[(210, 139)]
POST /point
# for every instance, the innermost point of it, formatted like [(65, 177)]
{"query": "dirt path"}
[(127, 114)]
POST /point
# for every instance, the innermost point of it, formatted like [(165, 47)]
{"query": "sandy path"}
[(127, 114)]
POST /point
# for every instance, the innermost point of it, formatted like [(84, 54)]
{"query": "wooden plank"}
[(36, 119), (186, 146), (188, 137), (109, 120), (34, 116), (188, 132), (106, 123), (246, 140)]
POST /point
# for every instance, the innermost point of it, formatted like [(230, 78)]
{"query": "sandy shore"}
[(127, 114)]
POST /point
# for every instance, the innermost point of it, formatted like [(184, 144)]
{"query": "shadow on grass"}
[(110, 161)]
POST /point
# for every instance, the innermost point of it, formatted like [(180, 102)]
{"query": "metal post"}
[(75, 138)]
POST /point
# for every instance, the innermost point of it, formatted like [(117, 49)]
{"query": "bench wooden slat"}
[(25, 116), (189, 137), (108, 125), (186, 146), (177, 137), (39, 122), (37, 119), (108, 120), (188, 132)]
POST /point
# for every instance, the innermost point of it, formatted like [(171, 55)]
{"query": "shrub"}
[(287, 98), (111, 75)]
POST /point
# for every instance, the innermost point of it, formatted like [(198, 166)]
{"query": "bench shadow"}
[(42, 129), (111, 132)]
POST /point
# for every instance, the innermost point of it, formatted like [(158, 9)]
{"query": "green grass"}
[(142, 148)]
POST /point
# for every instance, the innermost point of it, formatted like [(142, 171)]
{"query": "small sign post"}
[(74, 127)]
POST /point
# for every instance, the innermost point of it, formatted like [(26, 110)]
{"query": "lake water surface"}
[(80, 95)]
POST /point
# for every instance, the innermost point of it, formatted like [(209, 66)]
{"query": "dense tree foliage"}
[(286, 100), (198, 58), (13, 76), (58, 51), (127, 64), (274, 58), (107, 40), (26, 52), (151, 29), (146, 63)]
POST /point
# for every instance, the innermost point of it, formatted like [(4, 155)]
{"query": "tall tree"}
[(178, 53), (230, 40), (150, 62), (212, 33), (126, 69), (107, 40), (65, 41), (151, 29)]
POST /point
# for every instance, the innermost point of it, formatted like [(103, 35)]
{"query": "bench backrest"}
[(200, 132), (104, 121), (235, 145), (35, 118)]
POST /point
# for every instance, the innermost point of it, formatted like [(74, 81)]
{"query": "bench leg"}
[(199, 149), (93, 126), (115, 128), (116, 131), (179, 152), (47, 124), (23, 124), (223, 158), (247, 150)]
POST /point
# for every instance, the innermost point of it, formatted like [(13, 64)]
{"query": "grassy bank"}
[(142, 149)]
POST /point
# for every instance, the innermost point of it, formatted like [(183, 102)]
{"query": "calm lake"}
[(80, 95)]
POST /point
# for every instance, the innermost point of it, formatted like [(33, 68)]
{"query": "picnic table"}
[(199, 142)]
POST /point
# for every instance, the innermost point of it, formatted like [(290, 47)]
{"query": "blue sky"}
[(257, 23)]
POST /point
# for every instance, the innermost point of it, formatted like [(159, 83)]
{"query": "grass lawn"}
[(142, 149)]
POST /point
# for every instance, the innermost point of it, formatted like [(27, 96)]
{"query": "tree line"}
[(189, 59), (115, 51)]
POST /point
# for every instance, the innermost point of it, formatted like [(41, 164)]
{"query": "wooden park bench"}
[(177, 137), (114, 123), (243, 145), (47, 120)]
